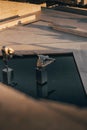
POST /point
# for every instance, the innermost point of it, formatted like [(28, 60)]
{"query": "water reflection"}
[(42, 90)]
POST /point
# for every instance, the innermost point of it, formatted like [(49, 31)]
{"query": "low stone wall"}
[(25, 19), (9, 9), (74, 31), (80, 11)]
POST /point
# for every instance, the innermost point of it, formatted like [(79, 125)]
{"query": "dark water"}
[(64, 83)]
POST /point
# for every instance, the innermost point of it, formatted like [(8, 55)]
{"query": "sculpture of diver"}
[(7, 73), (7, 54), (44, 60)]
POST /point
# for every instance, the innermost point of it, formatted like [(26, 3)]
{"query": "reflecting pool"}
[(63, 80)]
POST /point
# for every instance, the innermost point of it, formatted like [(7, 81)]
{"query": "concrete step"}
[(9, 18), (71, 30), (80, 11), (9, 9), (65, 22), (9, 22)]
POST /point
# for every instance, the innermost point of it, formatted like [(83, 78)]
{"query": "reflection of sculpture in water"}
[(7, 54), (44, 60)]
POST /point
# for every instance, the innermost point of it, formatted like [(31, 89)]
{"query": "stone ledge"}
[(80, 11), (74, 31), (9, 9), (20, 20)]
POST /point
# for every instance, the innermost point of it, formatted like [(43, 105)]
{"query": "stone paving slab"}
[(80, 57)]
